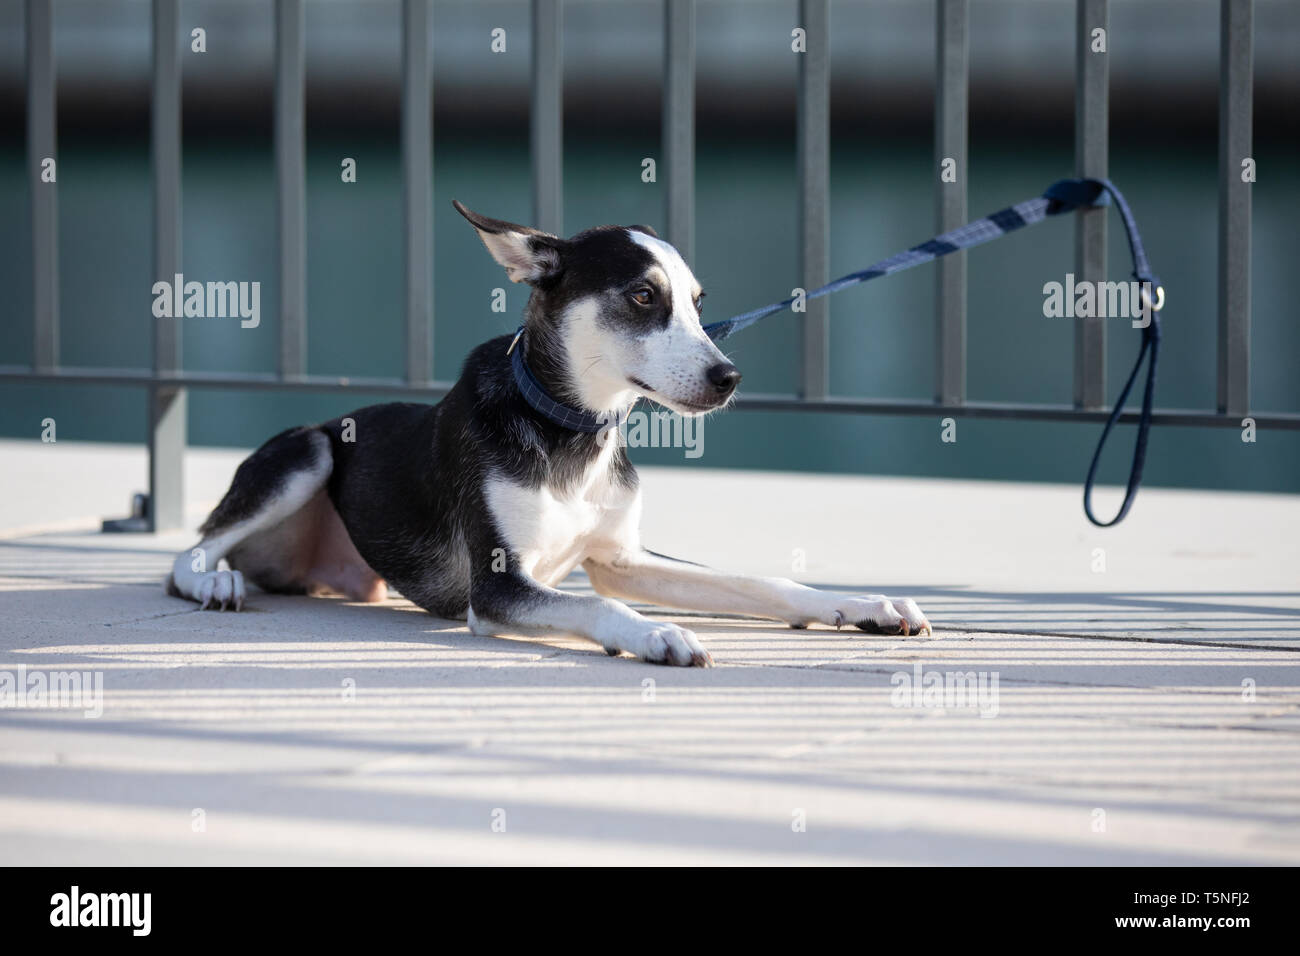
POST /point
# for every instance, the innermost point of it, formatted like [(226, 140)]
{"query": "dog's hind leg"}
[(270, 487)]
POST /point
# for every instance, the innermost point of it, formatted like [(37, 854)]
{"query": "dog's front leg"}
[(509, 601), (640, 575)]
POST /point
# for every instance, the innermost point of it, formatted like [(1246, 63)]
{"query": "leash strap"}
[(972, 234), (1065, 195)]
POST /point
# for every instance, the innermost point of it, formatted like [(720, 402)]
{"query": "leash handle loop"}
[(1150, 346)]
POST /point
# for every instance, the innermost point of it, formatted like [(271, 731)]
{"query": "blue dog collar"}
[(553, 411)]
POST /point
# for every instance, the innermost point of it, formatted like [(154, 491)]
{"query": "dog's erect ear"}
[(527, 254), (646, 229)]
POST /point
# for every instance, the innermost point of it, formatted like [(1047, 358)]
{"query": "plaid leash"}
[(1065, 195), (972, 234)]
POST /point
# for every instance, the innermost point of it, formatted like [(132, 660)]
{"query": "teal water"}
[(882, 334)]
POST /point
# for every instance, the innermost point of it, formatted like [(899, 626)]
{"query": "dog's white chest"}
[(553, 531)]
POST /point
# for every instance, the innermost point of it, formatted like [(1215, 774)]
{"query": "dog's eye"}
[(699, 303), (643, 296)]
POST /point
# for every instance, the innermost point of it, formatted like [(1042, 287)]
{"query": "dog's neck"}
[(553, 349)]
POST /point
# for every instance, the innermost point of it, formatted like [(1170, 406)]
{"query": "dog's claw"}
[(206, 591), (839, 620)]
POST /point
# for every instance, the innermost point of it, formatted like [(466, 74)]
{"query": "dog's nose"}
[(724, 377)]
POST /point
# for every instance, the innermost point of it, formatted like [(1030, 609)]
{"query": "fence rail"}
[(167, 382)]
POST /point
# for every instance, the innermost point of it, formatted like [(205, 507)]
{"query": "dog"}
[(477, 507)]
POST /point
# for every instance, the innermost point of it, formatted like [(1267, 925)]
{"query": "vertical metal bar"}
[(952, 86), (548, 117), (417, 179), (290, 191), (813, 129), (1091, 152), (167, 405), (1236, 71), (41, 135), (679, 123)]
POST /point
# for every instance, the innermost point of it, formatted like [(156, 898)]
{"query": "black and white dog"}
[(477, 507)]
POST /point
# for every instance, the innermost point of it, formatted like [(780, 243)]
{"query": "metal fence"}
[(167, 382)]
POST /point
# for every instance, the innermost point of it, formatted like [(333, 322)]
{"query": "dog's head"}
[(623, 309)]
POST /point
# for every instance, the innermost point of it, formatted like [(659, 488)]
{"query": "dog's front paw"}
[(661, 643), (877, 614)]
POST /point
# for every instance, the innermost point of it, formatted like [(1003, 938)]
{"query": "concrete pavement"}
[(1134, 705)]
